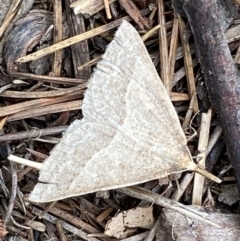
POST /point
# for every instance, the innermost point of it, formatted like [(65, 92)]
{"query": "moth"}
[(130, 132)]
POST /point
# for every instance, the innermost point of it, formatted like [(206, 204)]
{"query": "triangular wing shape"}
[(130, 132)]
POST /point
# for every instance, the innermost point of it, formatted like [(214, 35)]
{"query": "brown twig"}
[(219, 71)]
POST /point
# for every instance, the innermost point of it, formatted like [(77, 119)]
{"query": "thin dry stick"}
[(134, 13), (68, 42), (175, 96), (202, 147), (102, 216), (2, 122), (43, 94), (182, 186), (33, 133), (147, 195), (50, 205), (189, 113), (50, 109), (214, 138), (62, 235), (90, 63), (173, 48), (152, 15), (13, 194), (163, 47), (107, 9), (50, 79), (188, 61), (150, 33), (76, 231), (30, 235), (57, 37), (25, 162), (152, 231), (137, 237)]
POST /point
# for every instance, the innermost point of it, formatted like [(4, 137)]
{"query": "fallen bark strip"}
[(177, 225), (43, 110), (219, 71)]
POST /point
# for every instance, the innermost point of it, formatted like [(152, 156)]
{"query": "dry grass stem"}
[(107, 9), (175, 96), (190, 112), (44, 94), (173, 49), (202, 147), (188, 63), (150, 32), (89, 64), (60, 230), (50, 79), (187, 178), (57, 37), (163, 47), (50, 109), (214, 137)]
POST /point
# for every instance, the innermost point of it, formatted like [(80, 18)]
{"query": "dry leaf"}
[(141, 217), (130, 132), (39, 226), (229, 194)]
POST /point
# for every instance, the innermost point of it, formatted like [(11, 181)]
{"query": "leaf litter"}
[(79, 215)]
